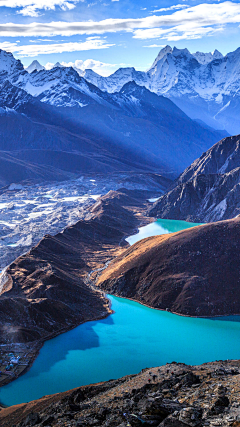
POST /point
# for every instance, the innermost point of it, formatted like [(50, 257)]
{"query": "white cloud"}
[(191, 22), (166, 9), (102, 68), (155, 45), (40, 49), (32, 7), (179, 32), (49, 65)]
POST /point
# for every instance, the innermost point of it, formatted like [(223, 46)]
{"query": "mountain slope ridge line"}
[(47, 289), (194, 272)]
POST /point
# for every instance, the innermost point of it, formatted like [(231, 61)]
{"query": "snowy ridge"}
[(206, 86), (35, 66), (205, 58)]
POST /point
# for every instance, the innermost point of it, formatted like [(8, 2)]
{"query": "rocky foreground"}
[(195, 272), (174, 395)]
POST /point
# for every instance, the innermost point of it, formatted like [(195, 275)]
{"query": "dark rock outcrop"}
[(195, 272), (208, 190), (159, 397)]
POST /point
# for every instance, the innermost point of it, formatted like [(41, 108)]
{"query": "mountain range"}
[(62, 124), (204, 85)]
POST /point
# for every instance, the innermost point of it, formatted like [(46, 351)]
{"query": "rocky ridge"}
[(48, 283), (50, 289), (208, 190), (28, 212), (175, 395)]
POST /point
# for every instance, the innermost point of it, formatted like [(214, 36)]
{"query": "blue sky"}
[(107, 34)]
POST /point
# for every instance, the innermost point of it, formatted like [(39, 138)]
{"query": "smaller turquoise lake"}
[(132, 338), (161, 226)]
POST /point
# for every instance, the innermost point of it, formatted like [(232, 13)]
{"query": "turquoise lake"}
[(132, 338), (161, 226)]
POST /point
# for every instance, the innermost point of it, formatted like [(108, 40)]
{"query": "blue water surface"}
[(161, 226), (132, 338)]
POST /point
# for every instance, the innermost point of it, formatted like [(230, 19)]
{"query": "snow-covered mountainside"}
[(204, 86), (57, 119), (205, 58), (208, 190), (35, 65)]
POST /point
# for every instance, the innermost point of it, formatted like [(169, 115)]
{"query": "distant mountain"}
[(208, 190), (35, 66), (205, 86), (78, 128), (205, 58)]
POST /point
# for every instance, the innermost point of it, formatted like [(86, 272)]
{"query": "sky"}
[(107, 34)]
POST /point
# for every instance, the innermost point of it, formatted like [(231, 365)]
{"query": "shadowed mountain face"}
[(208, 190), (77, 128), (195, 272)]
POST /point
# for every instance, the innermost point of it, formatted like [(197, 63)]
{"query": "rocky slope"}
[(29, 212), (49, 290), (45, 291), (208, 190), (175, 395), (194, 272)]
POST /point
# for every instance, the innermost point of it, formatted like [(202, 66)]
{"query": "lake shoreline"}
[(90, 282), (98, 361), (41, 343)]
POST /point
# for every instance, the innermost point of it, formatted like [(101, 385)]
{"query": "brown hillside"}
[(195, 272)]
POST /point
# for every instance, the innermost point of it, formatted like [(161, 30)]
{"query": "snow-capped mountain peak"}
[(58, 65), (8, 63), (217, 55), (177, 51), (35, 66), (163, 52), (206, 58), (206, 86)]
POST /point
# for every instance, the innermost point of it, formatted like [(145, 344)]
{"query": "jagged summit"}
[(58, 65), (8, 63), (130, 87), (163, 52), (217, 55), (206, 58), (35, 66), (177, 51)]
